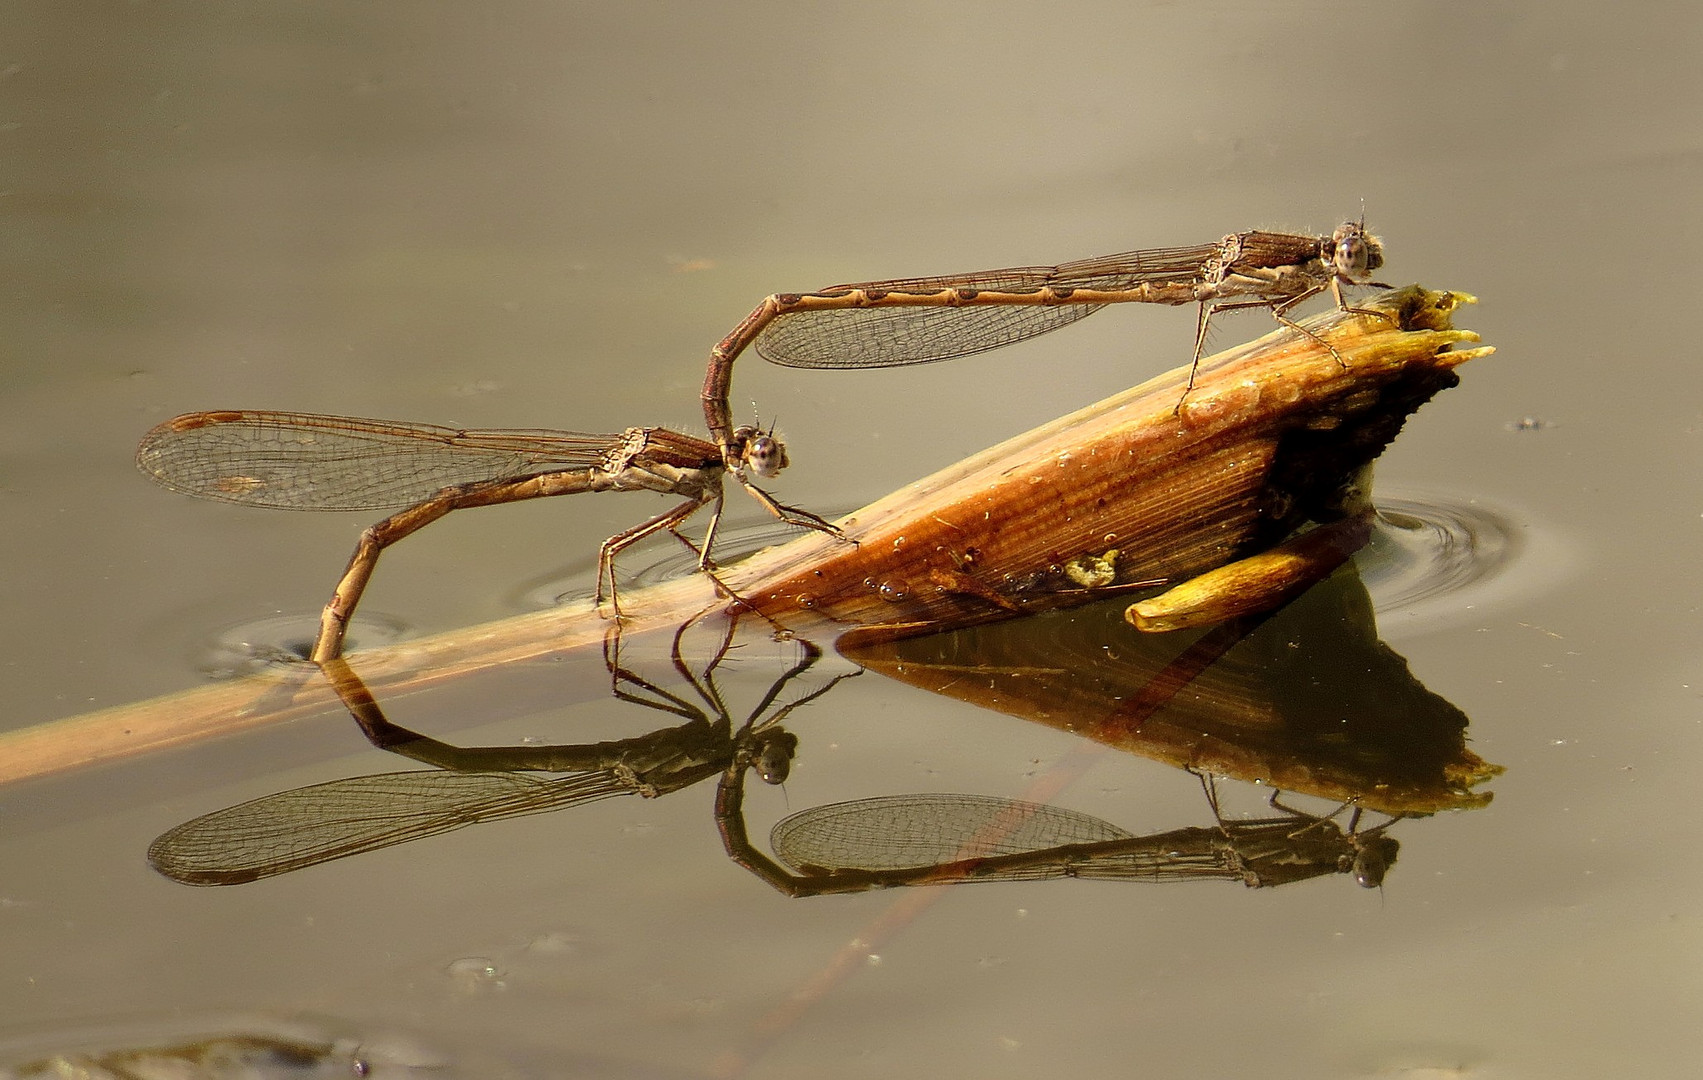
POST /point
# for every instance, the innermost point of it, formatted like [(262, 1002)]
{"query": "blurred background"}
[(519, 214)]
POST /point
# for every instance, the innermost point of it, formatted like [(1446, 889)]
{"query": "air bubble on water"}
[(476, 974)]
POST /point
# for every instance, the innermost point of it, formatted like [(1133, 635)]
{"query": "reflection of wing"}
[(1008, 840), (289, 830), (899, 832), (300, 461), (892, 336)]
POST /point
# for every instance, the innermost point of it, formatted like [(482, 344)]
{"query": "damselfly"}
[(921, 320), (302, 461), (938, 839)]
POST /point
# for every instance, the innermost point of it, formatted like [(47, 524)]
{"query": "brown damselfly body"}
[(943, 839), (303, 461), (920, 320)]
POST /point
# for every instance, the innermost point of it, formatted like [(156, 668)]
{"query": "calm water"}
[(522, 215)]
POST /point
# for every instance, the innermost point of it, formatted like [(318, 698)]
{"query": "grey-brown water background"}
[(514, 214)]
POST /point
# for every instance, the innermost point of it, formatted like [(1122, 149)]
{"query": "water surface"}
[(524, 216)]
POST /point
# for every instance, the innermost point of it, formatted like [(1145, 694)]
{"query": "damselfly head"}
[(1373, 855), (773, 760), (761, 451), (1354, 253)]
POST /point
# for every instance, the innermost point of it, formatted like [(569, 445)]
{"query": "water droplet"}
[(476, 974), (892, 593)]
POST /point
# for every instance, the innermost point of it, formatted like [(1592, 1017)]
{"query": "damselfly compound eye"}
[(1354, 254), (1372, 860), (773, 762), (766, 455)]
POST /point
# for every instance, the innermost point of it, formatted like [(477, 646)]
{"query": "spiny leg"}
[(1312, 821), (793, 515), (1280, 312), (671, 521), (1208, 787), (1204, 321), (623, 540), (665, 701), (706, 565), (1377, 313), (703, 684)]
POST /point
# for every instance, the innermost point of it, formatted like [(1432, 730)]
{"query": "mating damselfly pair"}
[(302, 461)]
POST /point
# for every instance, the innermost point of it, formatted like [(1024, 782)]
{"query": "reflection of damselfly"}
[(920, 320), (302, 827), (301, 461), (938, 839)]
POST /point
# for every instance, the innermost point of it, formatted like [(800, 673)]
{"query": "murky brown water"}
[(524, 215)]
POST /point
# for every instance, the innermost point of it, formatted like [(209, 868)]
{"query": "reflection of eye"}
[(773, 765), (774, 760)]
